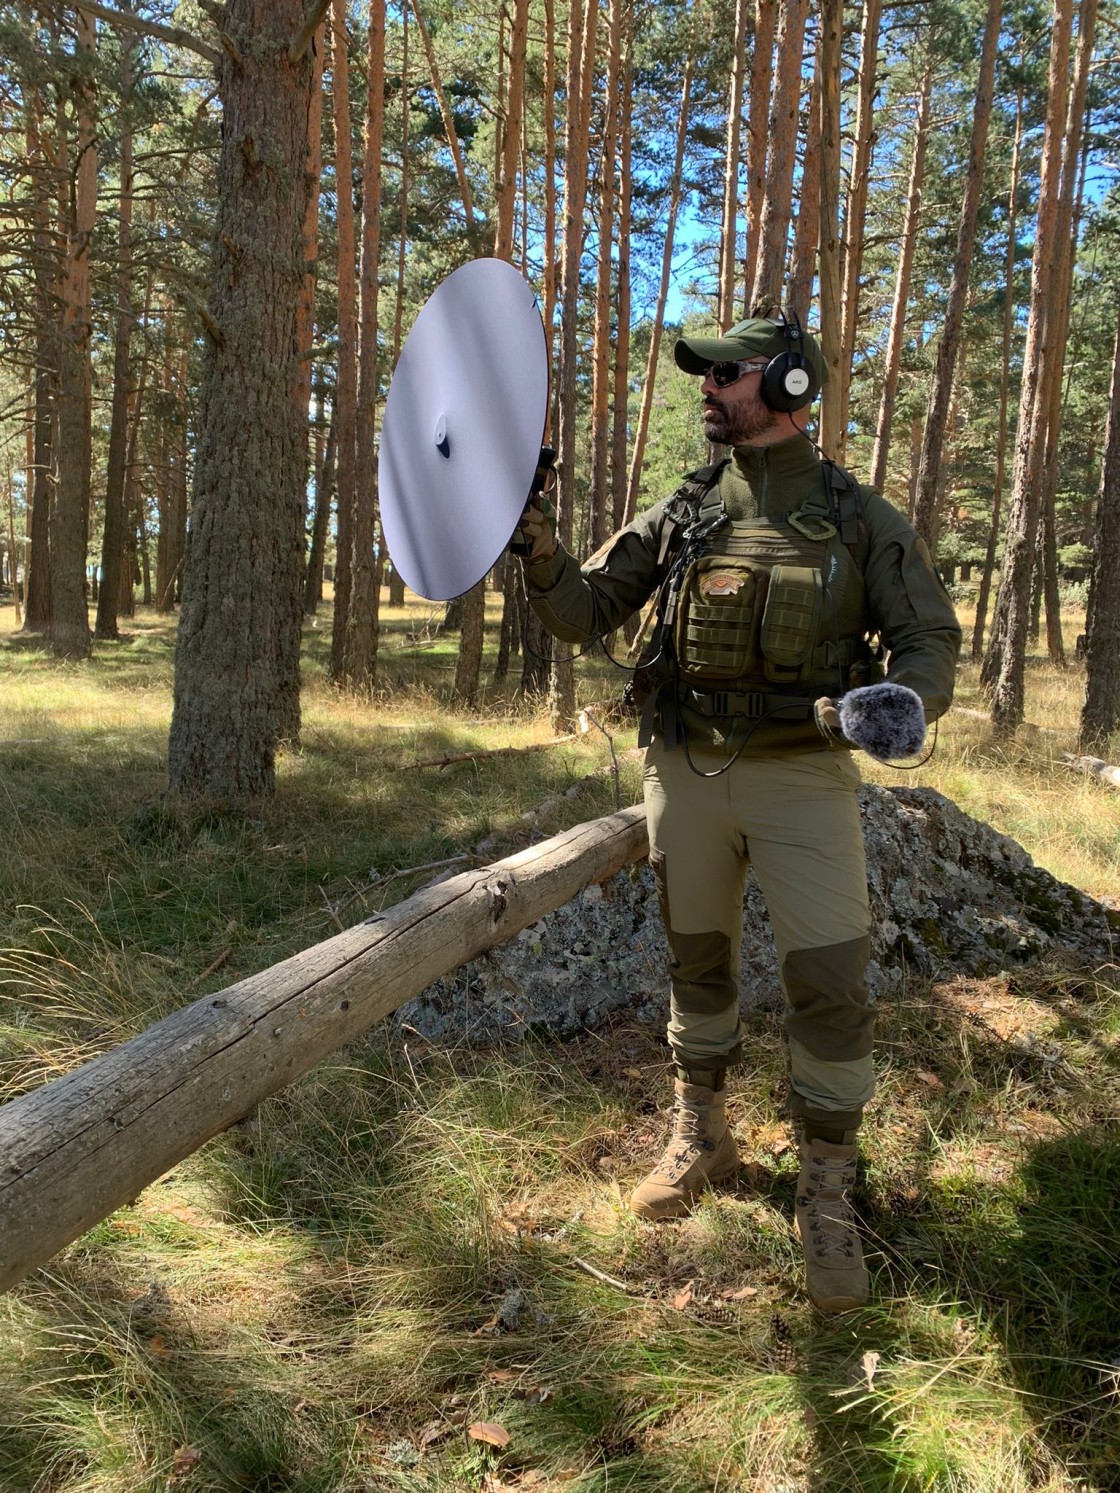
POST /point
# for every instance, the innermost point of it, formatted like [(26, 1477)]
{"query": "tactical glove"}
[(534, 538)]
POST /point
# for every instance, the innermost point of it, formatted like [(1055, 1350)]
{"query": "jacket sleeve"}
[(910, 607), (580, 602)]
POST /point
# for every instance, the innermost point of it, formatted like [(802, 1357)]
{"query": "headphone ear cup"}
[(787, 384)]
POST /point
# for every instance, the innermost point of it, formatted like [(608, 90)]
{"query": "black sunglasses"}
[(725, 374)]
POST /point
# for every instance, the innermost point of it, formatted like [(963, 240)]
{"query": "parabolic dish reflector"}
[(462, 430)]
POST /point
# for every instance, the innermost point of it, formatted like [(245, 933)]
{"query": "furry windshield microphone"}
[(884, 720)]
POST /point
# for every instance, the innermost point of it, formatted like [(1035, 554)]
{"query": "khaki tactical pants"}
[(795, 819)]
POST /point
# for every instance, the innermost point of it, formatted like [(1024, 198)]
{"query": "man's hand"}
[(534, 539), (827, 716)]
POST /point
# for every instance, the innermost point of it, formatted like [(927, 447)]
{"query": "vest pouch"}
[(790, 621), (718, 619)]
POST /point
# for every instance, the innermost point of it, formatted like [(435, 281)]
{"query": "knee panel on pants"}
[(827, 993), (700, 968)]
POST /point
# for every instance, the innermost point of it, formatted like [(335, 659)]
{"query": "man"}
[(781, 581)]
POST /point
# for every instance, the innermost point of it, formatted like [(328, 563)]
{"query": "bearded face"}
[(736, 415)]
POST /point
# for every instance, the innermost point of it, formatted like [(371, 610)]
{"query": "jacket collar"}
[(788, 460)]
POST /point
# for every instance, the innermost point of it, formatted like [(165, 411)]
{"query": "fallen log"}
[(77, 1148), (1104, 772)]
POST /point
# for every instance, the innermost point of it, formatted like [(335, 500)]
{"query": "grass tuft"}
[(326, 1298)]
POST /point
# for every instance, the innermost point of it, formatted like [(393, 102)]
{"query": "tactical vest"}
[(761, 617)]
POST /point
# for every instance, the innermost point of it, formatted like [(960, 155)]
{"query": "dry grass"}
[(326, 1298)]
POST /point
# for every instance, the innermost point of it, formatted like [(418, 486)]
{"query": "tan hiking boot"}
[(834, 1269), (700, 1150)]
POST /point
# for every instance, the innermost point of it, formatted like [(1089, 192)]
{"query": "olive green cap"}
[(756, 338)]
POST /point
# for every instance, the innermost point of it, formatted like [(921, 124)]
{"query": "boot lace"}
[(829, 1213), (689, 1130)]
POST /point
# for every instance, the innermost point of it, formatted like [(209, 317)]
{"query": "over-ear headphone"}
[(788, 380)]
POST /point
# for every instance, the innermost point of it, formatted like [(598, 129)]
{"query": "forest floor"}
[(415, 1269)]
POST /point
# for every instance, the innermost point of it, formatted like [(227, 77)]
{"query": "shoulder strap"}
[(697, 497), (846, 507)]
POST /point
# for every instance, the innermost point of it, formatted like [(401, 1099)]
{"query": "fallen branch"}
[(1095, 767), (608, 1280), (508, 751)]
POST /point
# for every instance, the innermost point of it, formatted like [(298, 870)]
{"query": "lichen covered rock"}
[(949, 895)]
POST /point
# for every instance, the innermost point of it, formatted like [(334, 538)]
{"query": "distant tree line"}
[(219, 227)]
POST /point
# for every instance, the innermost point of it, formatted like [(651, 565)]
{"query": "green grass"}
[(329, 1295)]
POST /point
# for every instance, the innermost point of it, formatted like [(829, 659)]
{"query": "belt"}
[(753, 704)]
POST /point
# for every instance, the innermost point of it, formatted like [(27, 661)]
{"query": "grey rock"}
[(949, 895)]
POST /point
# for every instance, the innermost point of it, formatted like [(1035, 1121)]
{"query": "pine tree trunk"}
[(106, 623), (784, 115), (69, 515), (929, 473), (762, 70), (855, 206), (984, 593), (1100, 714), (537, 650), (602, 362), (583, 17), (324, 488), (402, 242), (360, 656), (806, 238), (472, 636), (832, 25), (234, 680), (37, 593), (448, 119), (901, 302), (622, 286), (1069, 211), (640, 434), (725, 315), (1005, 662), (346, 384)]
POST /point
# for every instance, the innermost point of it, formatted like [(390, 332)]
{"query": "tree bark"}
[(107, 596), (235, 676), (929, 472), (472, 635), (37, 592), (806, 238), (600, 496), (762, 70), (638, 454), (346, 379), (360, 655), (583, 17), (69, 514), (901, 301), (1069, 211), (622, 286), (855, 205), (1100, 713), (725, 315), (324, 488), (832, 25), (447, 117), (1005, 663), (998, 480), (77, 1148), (784, 114)]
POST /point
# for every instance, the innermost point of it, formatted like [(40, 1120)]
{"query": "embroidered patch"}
[(719, 583)]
